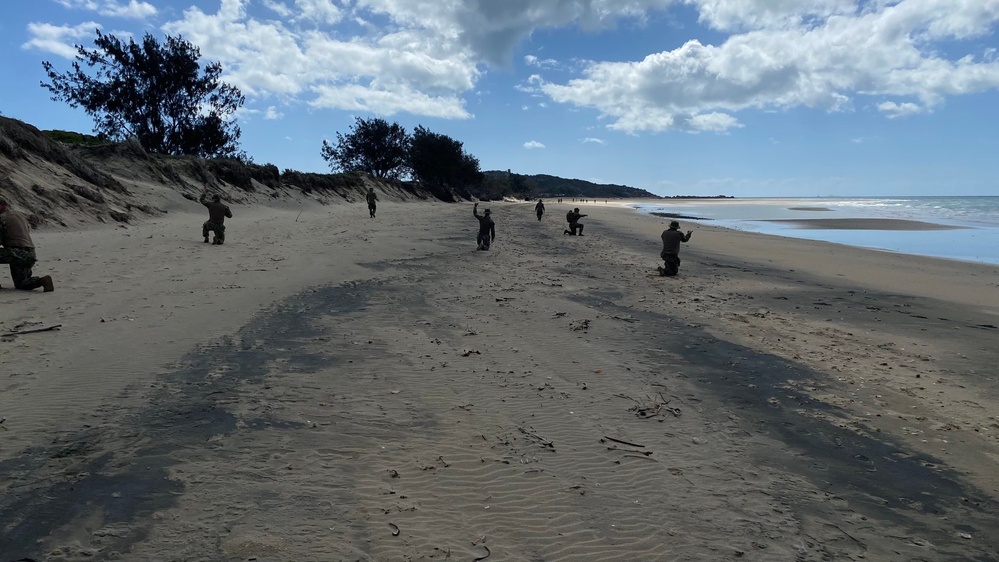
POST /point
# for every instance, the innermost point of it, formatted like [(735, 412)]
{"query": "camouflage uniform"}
[(21, 259), (671, 249), (372, 203), (217, 213)]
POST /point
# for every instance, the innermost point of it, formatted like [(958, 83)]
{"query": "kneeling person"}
[(672, 238), (575, 227), (19, 251), (217, 213)]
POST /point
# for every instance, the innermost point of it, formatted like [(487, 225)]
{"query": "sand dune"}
[(329, 387)]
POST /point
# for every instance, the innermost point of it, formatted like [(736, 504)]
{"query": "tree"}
[(373, 146), (156, 93), (441, 161)]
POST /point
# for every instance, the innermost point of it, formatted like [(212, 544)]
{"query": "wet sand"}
[(864, 224), (328, 387)]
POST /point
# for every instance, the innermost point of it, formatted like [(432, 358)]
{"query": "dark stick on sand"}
[(35, 331), (624, 442)]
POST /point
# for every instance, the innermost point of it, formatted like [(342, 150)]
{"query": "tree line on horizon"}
[(160, 95)]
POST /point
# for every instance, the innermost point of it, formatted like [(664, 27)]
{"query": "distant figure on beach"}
[(372, 201), (672, 238), (575, 227), (487, 228), (217, 213), (540, 209), (17, 250)]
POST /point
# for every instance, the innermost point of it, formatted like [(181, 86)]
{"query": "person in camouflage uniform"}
[(19, 251), (217, 213), (672, 238), (372, 198)]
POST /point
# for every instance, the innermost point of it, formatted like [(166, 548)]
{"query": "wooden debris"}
[(624, 442), (34, 331), (537, 438)]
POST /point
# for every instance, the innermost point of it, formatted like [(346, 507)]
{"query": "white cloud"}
[(427, 55), (893, 110), (531, 145), (58, 39), (492, 29), (133, 9), (272, 113), (736, 15), (279, 8), (822, 57), (398, 99), (401, 70), (593, 140), (532, 60), (322, 11)]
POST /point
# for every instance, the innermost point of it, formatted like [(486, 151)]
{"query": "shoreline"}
[(326, 380), (960, 240)]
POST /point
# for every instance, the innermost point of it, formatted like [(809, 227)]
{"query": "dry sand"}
[(329, 387)]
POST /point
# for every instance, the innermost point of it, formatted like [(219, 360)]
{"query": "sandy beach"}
[(330, 387)]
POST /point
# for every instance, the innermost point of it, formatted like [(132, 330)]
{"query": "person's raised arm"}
[(475, 209), (204, 198)]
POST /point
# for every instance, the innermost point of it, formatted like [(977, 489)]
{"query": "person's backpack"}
[(568, 216)]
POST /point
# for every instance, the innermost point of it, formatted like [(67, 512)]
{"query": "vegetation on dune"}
[(157, 93), (441, 163), (72, 137), (499, 184), (437, 162), (374, 146)]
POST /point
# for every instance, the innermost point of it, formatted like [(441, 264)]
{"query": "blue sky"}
[(701, 97)]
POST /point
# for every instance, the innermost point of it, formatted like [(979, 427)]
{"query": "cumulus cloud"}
[(58, 39), (399, 70), (133, 9), (893, 110), (322, 11), (272, 113), (531, 145), (823, 56), (390, 56), (493, 29), (532, 60), (279, 8), (398, 99)]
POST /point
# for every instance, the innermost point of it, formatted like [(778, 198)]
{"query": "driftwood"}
[(538, 438), (488, 554), (624, 442), (34, 331)]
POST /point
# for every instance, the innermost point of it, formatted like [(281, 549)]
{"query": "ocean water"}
[(975, 236)]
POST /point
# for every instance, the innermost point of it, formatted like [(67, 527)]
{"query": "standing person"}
[(19, 251), (217, 213), (372, 201), (540, 209), (671, 249), (487, 228), (573, 217)]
